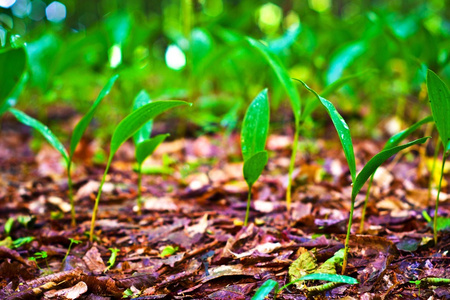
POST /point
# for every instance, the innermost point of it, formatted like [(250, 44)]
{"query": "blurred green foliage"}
[(193, 50)]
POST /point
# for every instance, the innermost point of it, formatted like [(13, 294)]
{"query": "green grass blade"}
[(281, 74), (254, 166), (265, 289), (376, 161), (144, 132), (13, 63), (147, 147), (310, 106), (342, 130), (343, 58), (42, 129), (397, 138), (439, 95), (255, 126), (138, 118), (80, 128), (11, 100)]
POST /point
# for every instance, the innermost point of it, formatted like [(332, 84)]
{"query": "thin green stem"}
[(347, 238), (433, 167), (72, 202), (68, 251), (363, 214), (249, 199), (139, 200), (97, 200), (291, 166), (437, 200)]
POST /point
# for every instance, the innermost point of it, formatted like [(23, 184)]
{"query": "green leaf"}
[(439, 95), (254, 166), (42, 129), (342, 129), (343, 58), (146, 148), (112, 258), (329, 277), (281, 74), (135, 120), (255, 126), (144, 133), (398, 137), (13, 63), (280, 44), (14, 95), (22, 241), (80, 128), (8, 225), (310, 106), (169, 250), (265, 289), (376, 161)]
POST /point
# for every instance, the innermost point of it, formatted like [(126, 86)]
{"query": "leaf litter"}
[(197, 210)]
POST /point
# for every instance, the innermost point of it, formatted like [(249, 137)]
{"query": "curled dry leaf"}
[(73, 292), (94, 261)]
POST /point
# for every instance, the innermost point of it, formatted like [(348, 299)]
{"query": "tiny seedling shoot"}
[(371, 166), (126, 129), (392, 142), (439, 95), (253, 140), (78, 132), (295, 102), (145, 145)]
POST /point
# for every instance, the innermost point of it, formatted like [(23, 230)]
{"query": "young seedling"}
[(145, 146), (126, 129), (112, 258), (392, 142), (439, 95), (335, 280), (371, 166), (253, 141), (295, 101), (72, 241), (41, 255), (78, 132)]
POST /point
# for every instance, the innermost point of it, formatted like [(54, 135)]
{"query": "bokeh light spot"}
[(270, 16), (319, 5), (55, 12), (175, 58), (115, 56), (7, 3)]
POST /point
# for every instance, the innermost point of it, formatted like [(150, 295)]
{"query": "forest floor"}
[(195, 201)]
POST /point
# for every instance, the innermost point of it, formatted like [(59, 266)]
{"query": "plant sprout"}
[(253, 140), (439, 95), (78, 132), (126, 129), (392, 142), (112, 258), (72, 241), (370, 167), (295, 101), (145, 145)]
